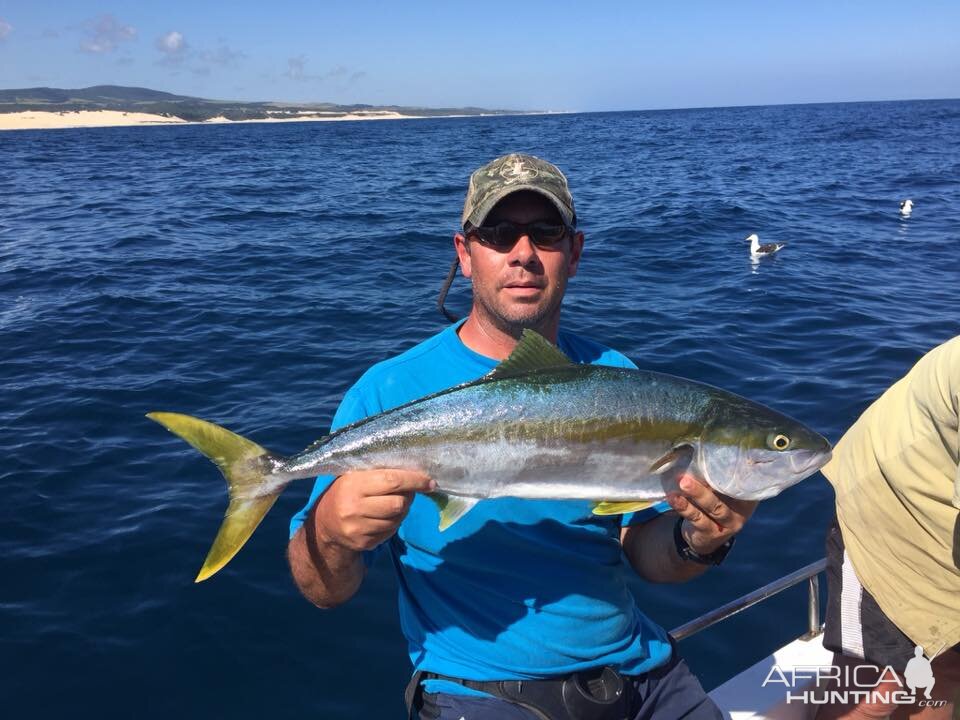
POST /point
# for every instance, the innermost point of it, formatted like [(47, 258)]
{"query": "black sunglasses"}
[(504, 235)]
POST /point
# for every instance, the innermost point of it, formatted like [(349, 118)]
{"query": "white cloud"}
[(172, 43), (223, 55), (104, 34), (297, 69), (177, 53), (340, 75), (5, 29), (173, 49), (344, 75)]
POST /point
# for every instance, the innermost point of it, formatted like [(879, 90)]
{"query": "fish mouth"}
[(806, 462)]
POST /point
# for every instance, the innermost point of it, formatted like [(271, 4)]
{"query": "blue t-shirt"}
[(515, 589)]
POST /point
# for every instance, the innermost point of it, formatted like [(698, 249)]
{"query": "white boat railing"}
[(809, 573)]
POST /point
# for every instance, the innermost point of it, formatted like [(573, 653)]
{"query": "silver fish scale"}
[(575, 432)]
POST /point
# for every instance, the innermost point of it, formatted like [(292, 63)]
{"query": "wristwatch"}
[(688, 553)]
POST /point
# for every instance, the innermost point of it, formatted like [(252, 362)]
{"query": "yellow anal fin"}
[(451, 507), (621, 508)]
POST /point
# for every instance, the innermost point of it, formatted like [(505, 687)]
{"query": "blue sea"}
[(249, 273)]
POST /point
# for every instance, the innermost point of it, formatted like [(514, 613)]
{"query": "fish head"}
[(750, 452)]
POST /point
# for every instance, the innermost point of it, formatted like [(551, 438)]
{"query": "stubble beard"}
[(514, 318)]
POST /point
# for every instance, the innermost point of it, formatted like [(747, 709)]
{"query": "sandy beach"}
[(31, 120)]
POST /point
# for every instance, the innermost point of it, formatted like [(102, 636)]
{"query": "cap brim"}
[(480, 212)]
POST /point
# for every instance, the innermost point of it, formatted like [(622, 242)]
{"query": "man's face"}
[(521, 286)]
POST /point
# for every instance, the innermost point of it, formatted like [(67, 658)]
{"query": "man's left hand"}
[(710, 518)]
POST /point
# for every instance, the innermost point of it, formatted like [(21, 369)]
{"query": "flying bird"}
[(758, 251)]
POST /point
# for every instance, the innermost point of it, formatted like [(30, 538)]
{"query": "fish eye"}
[(778, 441)]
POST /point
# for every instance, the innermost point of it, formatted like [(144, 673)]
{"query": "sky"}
[(588, 55)]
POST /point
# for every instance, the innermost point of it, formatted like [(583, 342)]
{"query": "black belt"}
[(597, 694)]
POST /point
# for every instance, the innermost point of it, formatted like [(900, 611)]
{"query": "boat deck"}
[(744, 696), (748, 695)]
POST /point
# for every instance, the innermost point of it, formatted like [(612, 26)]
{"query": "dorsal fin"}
[(533, 352)]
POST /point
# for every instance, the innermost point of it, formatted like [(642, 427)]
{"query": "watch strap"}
[(688, 553)]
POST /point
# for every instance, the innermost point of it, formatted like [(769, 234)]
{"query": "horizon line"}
[(510, 110)]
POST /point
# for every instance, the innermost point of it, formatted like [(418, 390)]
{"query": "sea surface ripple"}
[(249, 273)]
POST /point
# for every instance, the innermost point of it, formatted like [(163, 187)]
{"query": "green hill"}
[(144, 100)]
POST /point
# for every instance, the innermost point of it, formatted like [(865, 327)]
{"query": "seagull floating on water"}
[(758, 251), (906, 207)]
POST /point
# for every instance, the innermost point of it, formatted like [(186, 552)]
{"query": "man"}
[(530, 593), (893, 557)]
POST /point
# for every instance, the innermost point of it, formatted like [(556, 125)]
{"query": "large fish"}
[(537, 426)]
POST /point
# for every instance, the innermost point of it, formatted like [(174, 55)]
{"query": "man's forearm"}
[(326, 573), (652, 552)]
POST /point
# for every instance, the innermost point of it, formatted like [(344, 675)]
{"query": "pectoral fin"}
[(673, 458), (620, 508), (451, 507)]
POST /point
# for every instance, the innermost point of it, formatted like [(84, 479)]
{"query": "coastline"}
[(45, 120)]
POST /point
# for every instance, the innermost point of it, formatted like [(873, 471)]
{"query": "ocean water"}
[(248, 274)]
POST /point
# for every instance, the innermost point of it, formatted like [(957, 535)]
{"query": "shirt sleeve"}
[(354, 407), (616, 359), (939, 390), (956, 489), (956, 476), (641, 516), (935, 389)]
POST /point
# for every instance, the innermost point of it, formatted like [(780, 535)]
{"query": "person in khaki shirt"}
[(893, 554)]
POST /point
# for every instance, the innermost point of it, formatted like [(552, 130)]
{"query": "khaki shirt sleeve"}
[(956, 489), (956, 477), (942, 396)]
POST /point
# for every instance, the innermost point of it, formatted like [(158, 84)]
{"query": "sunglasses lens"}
[(505, 234), (497, 236), (544, 234)]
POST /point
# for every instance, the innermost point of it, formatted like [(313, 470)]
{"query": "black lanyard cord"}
[(446, 288)]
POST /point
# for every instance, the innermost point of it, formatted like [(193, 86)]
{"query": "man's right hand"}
[(362, 509)]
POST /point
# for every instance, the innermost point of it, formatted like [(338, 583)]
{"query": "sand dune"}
[(32, 120)]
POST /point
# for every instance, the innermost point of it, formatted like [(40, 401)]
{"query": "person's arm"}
[(710, 519), (359, 511), (956, 487), (956, 477)]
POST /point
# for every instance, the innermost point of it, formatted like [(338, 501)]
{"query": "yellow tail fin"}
[(245, 467)]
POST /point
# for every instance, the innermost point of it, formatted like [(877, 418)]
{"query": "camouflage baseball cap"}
[(494, 181)]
